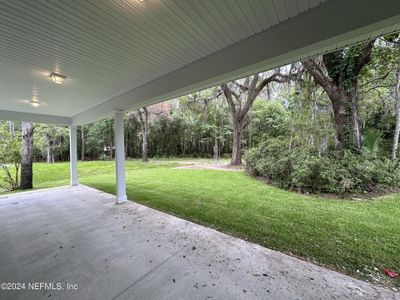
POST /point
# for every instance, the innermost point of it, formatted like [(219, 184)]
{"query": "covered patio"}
[(78, 238)]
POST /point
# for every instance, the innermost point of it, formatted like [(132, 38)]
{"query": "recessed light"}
[(34, 101), (57, 78)]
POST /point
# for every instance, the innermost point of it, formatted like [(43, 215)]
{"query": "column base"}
[(73, 183), (122, 199)]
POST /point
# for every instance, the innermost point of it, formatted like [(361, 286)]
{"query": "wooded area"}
[(326, 124)]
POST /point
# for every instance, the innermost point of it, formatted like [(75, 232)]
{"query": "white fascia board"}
[(35, 118), (335, 21)]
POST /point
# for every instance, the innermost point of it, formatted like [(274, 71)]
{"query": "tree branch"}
[(364, 57), (320, 78), (228, 95), (377, 78)]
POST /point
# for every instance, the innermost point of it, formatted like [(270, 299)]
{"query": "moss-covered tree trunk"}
[(26, 156), (340, 82), (346, 122)]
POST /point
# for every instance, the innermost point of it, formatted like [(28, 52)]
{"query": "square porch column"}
[(119, 156), (73, 154)]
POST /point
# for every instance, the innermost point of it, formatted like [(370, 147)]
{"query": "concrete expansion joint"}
[(148, 273)]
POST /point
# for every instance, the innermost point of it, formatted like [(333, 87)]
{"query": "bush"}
[(104, 156), (302, 169), (10, 159)]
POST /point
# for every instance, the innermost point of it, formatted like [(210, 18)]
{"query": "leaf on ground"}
[(390, 273)]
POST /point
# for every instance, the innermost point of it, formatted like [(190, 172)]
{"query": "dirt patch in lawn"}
[(211, 166)]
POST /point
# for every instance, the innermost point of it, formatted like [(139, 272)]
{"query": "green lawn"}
[(343, 234)]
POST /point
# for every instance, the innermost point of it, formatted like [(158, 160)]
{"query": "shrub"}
[(302, 169), (104, 157), (10, 159)]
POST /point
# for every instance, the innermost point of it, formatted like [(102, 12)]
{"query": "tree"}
[(397, 100), (268, 119), (143, 118), (240, 95), (207, 113), (341, 85), (26, 155), (49, 148), (82, 143), (202, 100), (52, 142)]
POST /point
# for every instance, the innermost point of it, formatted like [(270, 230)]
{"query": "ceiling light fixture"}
[(35, 101), (57, 78)]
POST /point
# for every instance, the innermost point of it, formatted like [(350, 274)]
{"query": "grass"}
[(353, 237)]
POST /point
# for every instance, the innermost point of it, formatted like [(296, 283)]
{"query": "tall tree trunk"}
[(143, 116), (397, 99), (49, 150), (356, 118), (268, 92), (111, 148), (48, 153), (344, 120), (82, 143), (237, 142), (126, 132), (183, 143), (216, 149), (144, 147), (11, 127), (26, 156)]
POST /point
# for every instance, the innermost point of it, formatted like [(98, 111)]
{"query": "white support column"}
[(119, 156), (73, 154)]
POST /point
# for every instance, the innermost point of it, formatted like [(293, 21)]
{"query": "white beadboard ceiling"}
[(118, 54)]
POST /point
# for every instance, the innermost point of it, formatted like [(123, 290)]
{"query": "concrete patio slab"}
[(78, 239)]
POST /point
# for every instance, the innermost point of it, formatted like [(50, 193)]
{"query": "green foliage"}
[(10, 160), (104, 157), (303, 169), (164, 139), (344, 64), (267, 118), (194, 126), (371, 142), (310, 121), (305, 159), (51, 140), (99, 138)]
